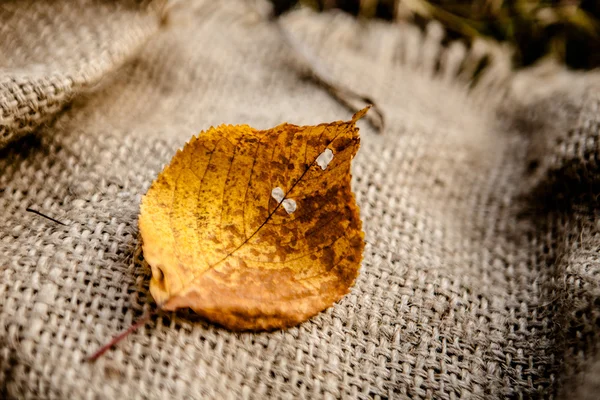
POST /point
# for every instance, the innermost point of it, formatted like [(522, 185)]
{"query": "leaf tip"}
[(361, 113)]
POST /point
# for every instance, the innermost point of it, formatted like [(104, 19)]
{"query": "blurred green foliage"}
[(568, 30)]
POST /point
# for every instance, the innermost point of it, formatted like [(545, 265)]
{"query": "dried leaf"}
[(252, 229)]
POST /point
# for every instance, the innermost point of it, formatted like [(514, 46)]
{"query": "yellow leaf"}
[(255, 230)]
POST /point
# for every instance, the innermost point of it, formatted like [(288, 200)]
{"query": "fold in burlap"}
[(481, 271)]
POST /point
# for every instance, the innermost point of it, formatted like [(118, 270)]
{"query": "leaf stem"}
[(141, 322)]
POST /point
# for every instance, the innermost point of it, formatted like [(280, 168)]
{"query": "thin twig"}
[(322, 77), (28, 209)]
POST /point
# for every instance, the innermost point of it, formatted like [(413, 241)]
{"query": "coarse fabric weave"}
[(481, 276)]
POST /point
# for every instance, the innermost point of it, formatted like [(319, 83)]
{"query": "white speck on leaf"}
[(325, 158), (277, 194), (289, 205)]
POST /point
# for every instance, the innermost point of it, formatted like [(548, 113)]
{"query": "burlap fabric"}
[(481, 271)]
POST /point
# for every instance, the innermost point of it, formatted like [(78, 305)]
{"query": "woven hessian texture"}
[(480, 206), (51, 51)]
